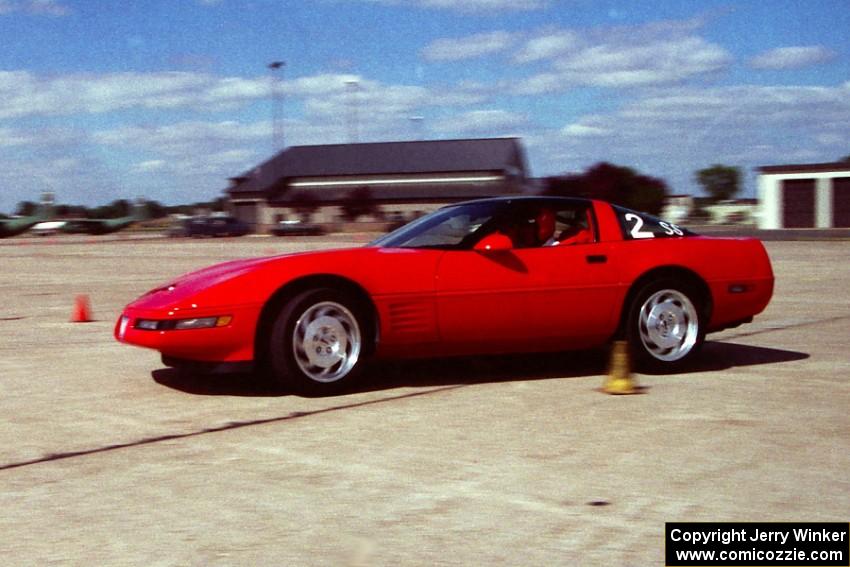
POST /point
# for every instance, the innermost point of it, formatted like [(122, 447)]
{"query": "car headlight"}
[(147, 324), (183, 324), (202, 323)]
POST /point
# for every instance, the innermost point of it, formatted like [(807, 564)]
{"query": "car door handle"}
[(597, 259)]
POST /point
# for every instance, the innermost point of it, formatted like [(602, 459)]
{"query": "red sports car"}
[(523, 274)]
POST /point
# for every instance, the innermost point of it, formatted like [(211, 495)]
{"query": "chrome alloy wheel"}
[(669, 325), (326, 341)]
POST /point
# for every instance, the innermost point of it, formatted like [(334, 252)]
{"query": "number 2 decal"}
[(636, 231)]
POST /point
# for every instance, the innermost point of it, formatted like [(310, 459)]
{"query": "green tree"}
[(155, 210), (720, 182), (304, 204), (219, 204), (115, 209), (26, 208), (359, 204), (615, 184), (71, 211)]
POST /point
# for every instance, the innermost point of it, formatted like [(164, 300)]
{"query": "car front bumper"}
[(233, 342)]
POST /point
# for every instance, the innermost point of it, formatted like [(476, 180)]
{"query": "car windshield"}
[(452, 227)]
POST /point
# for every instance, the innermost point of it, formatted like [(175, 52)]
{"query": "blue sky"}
[(102, 99)]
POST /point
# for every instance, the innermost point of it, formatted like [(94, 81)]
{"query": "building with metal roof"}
[(398, 178)]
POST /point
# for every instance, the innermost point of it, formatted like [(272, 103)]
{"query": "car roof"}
[(528, 199)]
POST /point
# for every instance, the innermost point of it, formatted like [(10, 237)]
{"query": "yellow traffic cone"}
[(619, 380)]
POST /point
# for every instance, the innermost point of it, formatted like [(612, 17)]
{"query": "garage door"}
[(798, 203), (841, 202)]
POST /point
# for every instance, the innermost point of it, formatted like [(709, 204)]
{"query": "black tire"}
[(665, 326), (318, 341)]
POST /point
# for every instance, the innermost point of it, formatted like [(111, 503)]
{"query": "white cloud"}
[(483, 123), (624, 56), (548, 46), (673, 132), (215, 166), (665, 52), (181, 162), (52, 8), (25, 94), (187, 159), (541, 83), (792, 57), (584, 129), (792, 107), (321, 85), (47, 7), (332, 97), (469, 47), (184, 138), (484, 5), (368, 98), (151, 165), (60, 159), (658, 62), (665, 128), (15, 137)]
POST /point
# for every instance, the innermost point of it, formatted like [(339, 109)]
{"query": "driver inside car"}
[(532, 230), (545, 227), (577, 231)]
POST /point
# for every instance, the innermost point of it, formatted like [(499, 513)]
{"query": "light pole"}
[(418, 127), (277, 105), (353, 87)]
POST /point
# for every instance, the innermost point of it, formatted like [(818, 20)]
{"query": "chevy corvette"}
[(518, 274)]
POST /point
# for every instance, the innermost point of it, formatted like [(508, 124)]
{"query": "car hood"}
[(188, 286), (247, 281)]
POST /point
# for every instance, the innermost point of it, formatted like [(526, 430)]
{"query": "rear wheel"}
[(317, 342), (665, 325)]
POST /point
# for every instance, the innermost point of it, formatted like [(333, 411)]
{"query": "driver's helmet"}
[(545, 223)]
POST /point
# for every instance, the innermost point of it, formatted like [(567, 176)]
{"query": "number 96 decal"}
[(640, 227)]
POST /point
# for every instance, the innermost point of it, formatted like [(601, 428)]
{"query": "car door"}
[(580, 296), (541, 297), (483, 299)]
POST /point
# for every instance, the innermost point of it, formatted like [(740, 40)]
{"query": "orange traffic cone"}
[(82, 311), (619, 380)]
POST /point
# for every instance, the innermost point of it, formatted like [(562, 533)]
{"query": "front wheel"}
[(317, 342), (665, 326)]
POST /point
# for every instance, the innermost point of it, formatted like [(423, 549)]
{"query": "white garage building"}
[(815, 195)]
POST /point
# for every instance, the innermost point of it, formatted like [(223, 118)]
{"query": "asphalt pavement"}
[(108, 458)]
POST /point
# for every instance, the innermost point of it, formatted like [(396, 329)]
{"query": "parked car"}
[(178, 226), (297, 228), (518, 274), (210, 226)]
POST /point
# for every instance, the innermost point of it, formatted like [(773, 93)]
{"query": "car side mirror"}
[(494, 243)]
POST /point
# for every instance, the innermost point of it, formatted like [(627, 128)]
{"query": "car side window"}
[(546, 225), (449, 232), (572, 226)]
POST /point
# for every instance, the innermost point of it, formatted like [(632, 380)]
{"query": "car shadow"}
[(483, 369), (717, 356), (200, 384), (388, 375)]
